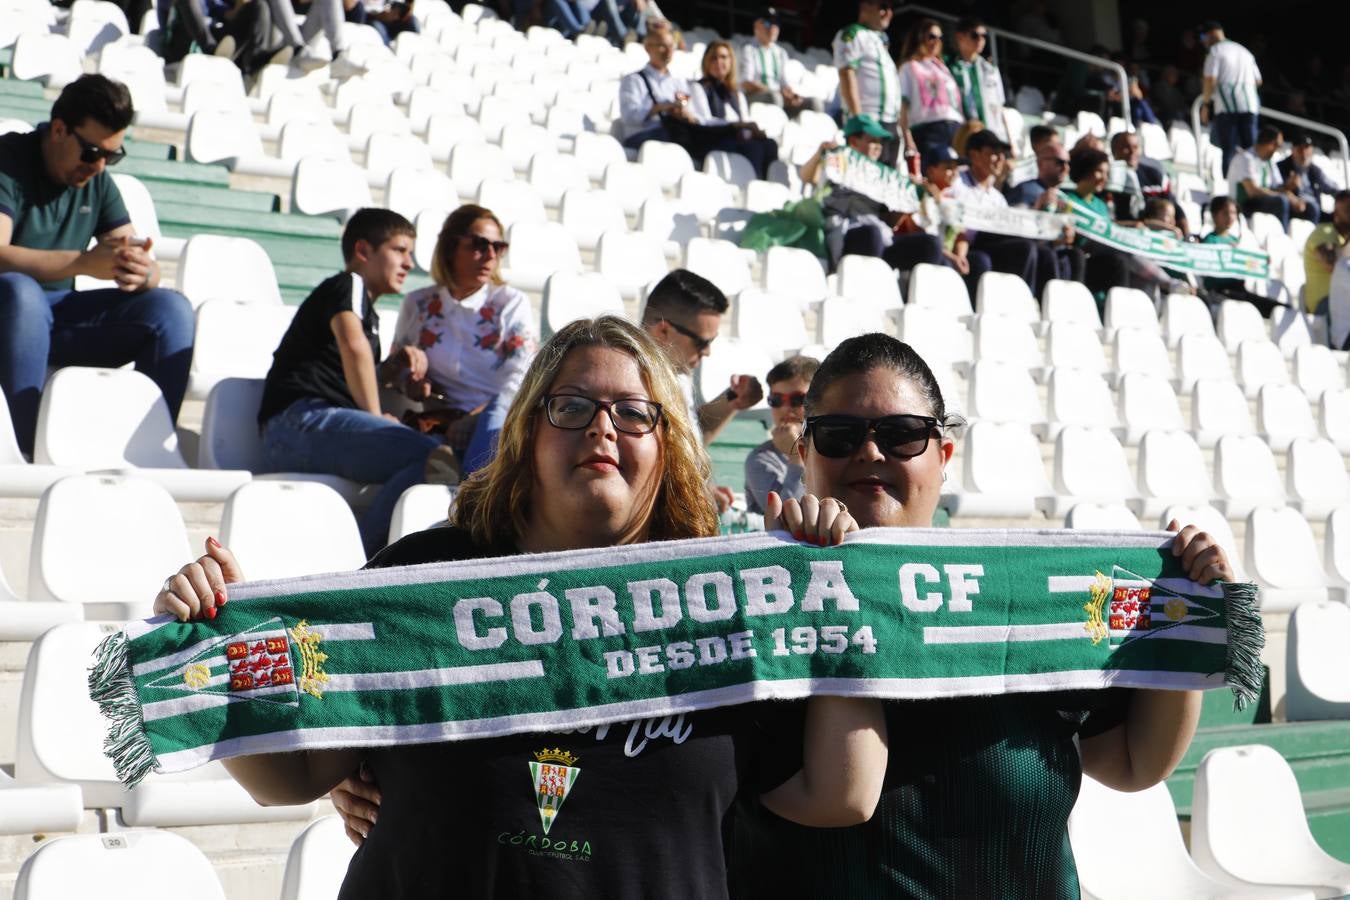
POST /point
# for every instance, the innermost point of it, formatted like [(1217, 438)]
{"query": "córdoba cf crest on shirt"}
[(553, 774)]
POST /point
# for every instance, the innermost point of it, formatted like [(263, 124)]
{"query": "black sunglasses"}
[(574, 412), (900, 437), (91, 153), (482, 245), (933, 37), (698, 340), (795, 400)]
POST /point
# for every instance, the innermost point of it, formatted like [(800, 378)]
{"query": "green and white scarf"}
[(483, 648)]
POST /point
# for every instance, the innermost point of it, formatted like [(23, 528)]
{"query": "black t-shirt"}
[(637, 809), (307, 362), (975, 804)]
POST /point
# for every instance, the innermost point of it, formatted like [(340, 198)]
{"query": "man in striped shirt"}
[(869, 83), (1231, 81), (764, 69)]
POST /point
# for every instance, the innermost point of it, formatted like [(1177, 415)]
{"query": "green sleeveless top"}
[(976, 804)]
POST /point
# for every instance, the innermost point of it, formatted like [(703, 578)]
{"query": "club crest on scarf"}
[(553, 773), (1124, 605)]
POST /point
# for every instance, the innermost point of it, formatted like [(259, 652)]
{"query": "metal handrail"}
[(995, 33), (1206, 172)]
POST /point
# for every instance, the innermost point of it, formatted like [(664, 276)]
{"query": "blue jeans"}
[(107, 328), (312, 435), (1275, 204), (1232, 132), (483, 445)]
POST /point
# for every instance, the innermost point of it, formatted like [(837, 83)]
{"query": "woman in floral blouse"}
[(478, 334)]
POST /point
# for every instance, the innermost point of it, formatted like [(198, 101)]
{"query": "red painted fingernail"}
[(211, 613), (212, 542), (797, 536), (221, 599)]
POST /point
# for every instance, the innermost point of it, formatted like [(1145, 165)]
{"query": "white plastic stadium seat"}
[(1003, 392), (1147, 402), (318, 859), (1006, 295), (1239, 321), (938, 336), (215, 267), (19, 477), (52, 59), (1201, 356), (235, 340), (706, 195), (1259, 362), (420, 507), (1248, 823), (1317, 478), (666, 161), (1333, 417), (1076, 397), (588, 214), (1069, 301), (281, 529), (869, 278), (230, 138), (673, 222), (24, 620), (770, 321), (1282, 415), (472, 163), (116, 420), (512, 201), (1089, 466), (553, 175), (722, 263), (146, 865), (840, 318), (1136, 349), (1185, 314), (728, 357), (230, 439), (733, 168), (1129, 308), (1316, 369), (410, 189), (38, 808), (795, 273), (1316, 688), (125, 529), (1218, 408), (1171, 471), (141, 207), (1002, 474), (387, 151), (576, 295), (938, 287), (768, 196), (1112, 516), (323, 186), (538, 251), (631, 184), (629, 261), (1281, 555), (1074, 345), (1101, 815), (1245, 476), (999, 338), (597, 151)]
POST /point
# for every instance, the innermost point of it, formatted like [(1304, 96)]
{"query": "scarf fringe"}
[(112, 687), (1246, 638)]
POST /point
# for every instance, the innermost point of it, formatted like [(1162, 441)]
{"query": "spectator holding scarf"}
[(1088, 171), (931, 105), (598, 452), (979, 790)]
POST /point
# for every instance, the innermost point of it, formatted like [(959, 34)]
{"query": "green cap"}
[(865, 124)]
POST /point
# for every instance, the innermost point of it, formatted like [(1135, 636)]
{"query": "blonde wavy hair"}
[(732, 81), (493, 505), (455, 227)]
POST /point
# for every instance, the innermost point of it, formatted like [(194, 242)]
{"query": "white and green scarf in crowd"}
[(556, 641)]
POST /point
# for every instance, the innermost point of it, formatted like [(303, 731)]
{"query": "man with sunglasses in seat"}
[(684, 313), (774, 464), (982, 96), (56, 195)]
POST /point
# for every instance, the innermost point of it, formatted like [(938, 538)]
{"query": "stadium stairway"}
[(1318, 752)]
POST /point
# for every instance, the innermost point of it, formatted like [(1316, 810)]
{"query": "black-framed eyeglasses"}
[(980, 35), (700, 342), (574, 412), (931, 37), (796, 399), (901, 436), (482, 245), (91, 153)]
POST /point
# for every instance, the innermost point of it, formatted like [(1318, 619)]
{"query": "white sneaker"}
[(344, 67), (309, 59)]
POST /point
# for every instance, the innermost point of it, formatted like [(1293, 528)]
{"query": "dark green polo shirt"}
[(47, 215)]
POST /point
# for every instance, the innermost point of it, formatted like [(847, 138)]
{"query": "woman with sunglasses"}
[(598, 451), (773, 465), (978, 790), (930, 105), (477, 332)]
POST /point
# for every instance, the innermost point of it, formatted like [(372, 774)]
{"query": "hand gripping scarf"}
[(483, 648)]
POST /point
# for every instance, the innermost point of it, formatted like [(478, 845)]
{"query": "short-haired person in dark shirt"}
[(320, 408), (56, 195), (597, 452), (773, 465), (1149, 181), (1305, 177)]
